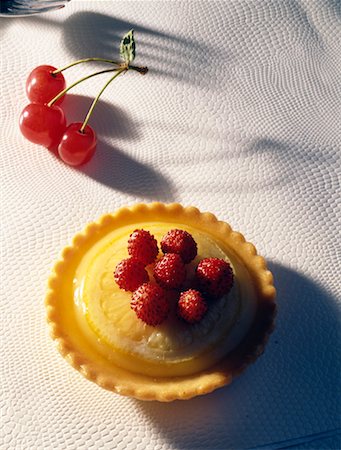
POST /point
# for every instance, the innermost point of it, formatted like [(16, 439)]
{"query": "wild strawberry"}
[(143, 246), (180, 242), (150, 304), (214, 276), (191, 306), (170, 271), (130, 274)]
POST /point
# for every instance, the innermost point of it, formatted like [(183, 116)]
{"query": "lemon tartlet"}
[(98, 333)]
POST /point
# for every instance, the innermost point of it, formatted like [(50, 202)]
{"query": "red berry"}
[(143, 246), (214, 276), (77, 147), (150, 304), (170, 271), (191, 306), (130, 274), (180, 242), (43, 124), (42, 86)]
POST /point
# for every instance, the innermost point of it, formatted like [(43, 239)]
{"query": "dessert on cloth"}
[(160, 302)]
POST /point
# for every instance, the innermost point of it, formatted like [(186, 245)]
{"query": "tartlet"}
[(94, 326)]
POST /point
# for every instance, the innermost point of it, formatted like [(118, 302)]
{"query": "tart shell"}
[(77, 350)]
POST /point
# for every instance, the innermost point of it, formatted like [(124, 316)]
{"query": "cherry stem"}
[(142, 70), (80, 61), (64, 91), (93, 104)]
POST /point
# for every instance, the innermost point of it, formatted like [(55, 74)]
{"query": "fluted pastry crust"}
[(74, 347)]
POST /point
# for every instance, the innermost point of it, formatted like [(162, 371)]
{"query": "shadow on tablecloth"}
[(289, 392), (90, 34), (111, 166), (99, 35)]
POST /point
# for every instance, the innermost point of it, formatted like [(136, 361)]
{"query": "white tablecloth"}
[(239, 115)]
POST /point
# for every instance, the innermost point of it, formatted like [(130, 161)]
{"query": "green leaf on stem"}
[(128, 47)]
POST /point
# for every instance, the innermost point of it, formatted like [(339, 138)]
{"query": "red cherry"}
[(42, 86), (77, 147), (43, 124)]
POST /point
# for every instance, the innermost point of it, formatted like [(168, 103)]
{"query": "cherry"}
[(76, 146), (42, 85), (43, 124)]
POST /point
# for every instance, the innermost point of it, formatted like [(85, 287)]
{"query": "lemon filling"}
[(174, 348)]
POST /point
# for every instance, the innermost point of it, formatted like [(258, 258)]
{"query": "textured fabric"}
[(239, 115)]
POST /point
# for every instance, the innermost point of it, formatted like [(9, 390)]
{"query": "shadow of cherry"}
[(291, 391), (120, 171), (111, 166), (107, 119)]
